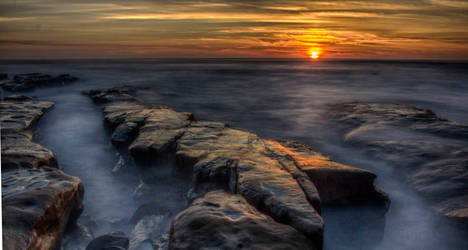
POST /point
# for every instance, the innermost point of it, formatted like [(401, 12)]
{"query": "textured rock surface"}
[(17, 115), (270, 177), (336, 183), (37, 204), (432, 151), (38, 200), (223, 221), (33, 80)]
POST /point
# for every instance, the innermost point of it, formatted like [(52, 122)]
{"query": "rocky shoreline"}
[(240, 182), (245, 191), (39, 201)]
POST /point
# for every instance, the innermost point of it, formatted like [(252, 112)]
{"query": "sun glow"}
[(314, 53)]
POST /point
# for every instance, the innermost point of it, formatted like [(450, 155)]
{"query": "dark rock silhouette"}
[(32, 80), (3, 76)]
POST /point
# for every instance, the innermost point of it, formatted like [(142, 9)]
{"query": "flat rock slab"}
[(336, 183), (221, 220), (17, 115), (37, 205), (431, 151), (32, 80), (270, 177)]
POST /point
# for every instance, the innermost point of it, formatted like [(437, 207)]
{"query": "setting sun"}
[(314, 53)]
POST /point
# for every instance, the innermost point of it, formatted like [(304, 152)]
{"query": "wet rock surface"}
[(39, 201), (270, 176), (32, 80), (37, 205), (336, 183), (225, 221), (17, 115), (431, 151)]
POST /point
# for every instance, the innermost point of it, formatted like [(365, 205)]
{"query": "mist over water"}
[(274, 99)]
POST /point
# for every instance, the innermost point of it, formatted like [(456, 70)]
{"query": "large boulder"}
[(223, 221), (37, 206)]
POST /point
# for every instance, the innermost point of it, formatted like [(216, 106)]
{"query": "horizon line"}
[(240, 58)]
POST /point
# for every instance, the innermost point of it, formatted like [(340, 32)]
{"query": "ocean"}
[(294, 99)]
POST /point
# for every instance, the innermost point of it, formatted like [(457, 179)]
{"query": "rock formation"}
[(434, 151), (38, 199), (246, 188), (32, 80), (225, 221), (17, 115)]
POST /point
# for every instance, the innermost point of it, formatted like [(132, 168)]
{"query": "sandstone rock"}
[(159, 133), (232, 156), (112, 241), (38, 200), (21, 114), (32, 80), (432, 151), (223, 221), (125, 132), (37, 204), (269, 176), (335, 182), (18, 149), (17, 114)]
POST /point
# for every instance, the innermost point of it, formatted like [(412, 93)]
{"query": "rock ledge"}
[(277, 186)]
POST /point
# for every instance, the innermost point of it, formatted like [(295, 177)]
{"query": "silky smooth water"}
[(274, 99)]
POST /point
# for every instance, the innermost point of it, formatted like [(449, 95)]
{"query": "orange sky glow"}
[(426, 29)]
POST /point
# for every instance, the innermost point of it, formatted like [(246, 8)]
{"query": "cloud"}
[(420, 28)]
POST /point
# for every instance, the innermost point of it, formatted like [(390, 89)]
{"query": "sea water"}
[(272, 98)]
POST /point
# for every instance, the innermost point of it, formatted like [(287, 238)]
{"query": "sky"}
[(380, 29)]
